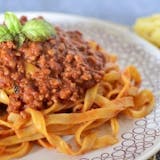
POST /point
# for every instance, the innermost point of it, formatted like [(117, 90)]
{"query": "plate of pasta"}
[(74, 88)]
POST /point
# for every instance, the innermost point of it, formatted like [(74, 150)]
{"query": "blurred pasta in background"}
[(149, 28)]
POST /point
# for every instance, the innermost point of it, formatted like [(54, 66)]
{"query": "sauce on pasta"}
[(63, 86), (60, 69)]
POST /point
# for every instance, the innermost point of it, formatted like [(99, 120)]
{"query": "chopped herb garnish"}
[(4, 34), (34, 30), (38, 30), (13, 24)]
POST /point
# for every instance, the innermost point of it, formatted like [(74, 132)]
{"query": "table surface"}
[(119, 11)]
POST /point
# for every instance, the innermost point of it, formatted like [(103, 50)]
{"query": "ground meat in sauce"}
[(66, 66)]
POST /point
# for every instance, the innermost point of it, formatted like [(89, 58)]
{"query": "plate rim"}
[(153, 150)]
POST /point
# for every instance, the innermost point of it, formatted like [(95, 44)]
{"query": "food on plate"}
[(54, 83), (148, 28)]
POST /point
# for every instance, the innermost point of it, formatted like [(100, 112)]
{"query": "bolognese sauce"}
[(61, 85), (60, 69)]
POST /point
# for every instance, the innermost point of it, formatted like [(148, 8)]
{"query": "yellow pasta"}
[(3, 97), (149, 28), (118, 92)]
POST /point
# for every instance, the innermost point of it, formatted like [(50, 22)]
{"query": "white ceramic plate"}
[(138, 139)]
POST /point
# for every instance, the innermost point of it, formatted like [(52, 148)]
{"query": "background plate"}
[(138, 139)]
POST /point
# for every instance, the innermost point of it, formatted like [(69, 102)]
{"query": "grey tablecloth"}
[(120, 11)]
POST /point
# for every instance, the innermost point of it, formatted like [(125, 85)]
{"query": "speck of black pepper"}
[(16, 88)]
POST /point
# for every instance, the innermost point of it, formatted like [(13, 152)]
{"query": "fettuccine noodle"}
[(118, 92)]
